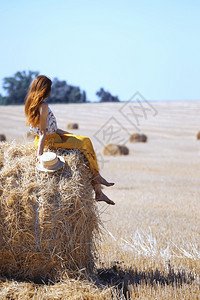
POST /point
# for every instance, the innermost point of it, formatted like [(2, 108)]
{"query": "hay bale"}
[(137, 137), (48, 221), (2, 138), (114, 149), (72, 126), (30, 136), (198, 135)]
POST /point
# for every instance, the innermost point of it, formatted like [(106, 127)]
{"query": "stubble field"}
[(150, 244)]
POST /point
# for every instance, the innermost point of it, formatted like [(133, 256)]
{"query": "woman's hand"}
[(61, 132)]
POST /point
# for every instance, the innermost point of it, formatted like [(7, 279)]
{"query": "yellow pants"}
[(71, 141)]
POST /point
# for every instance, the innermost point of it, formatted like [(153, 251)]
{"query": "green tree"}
[(17, 86), (75, 95), (61, 92), (2, 100), (84, 97), (106, 96)]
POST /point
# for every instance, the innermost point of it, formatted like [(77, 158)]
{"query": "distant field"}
[(154, 227)]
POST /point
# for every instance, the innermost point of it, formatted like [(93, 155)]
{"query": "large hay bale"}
[(115, 149), (138, 138), (48, 221), (2, 138), (72, 126), (198, 135), (30, 136)]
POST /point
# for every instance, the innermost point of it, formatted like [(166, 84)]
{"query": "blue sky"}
[(123, 46)]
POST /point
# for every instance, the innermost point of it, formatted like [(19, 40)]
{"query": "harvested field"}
[(150, 245)]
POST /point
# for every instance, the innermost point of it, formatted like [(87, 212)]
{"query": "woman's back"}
[(51, 126)]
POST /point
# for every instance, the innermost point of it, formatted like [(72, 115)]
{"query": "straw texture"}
[(48, 221)]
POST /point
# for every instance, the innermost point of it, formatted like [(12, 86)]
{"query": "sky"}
[(151, 47)]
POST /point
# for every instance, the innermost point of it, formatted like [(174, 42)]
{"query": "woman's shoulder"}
[(44, 108)]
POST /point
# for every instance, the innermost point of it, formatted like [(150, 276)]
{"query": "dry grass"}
[(80, 289), (48, 221), (115, 150), (67, 289), (150, 247)]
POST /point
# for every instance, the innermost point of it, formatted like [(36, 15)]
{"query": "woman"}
[(42, 122)]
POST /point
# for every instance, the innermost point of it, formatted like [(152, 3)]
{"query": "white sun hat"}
[(50, 162)]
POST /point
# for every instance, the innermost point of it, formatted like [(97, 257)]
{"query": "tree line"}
[(16, 88)]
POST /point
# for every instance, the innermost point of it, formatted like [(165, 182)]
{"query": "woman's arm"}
[(43, 124), (60, 131)]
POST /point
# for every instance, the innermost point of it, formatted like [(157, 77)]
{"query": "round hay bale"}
[(114, 149), (48, 221), (198, 135), (137, 137), (30, 136), (2, 138), (72, 126)]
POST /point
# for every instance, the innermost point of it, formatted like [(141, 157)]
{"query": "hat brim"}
[(59, 166)]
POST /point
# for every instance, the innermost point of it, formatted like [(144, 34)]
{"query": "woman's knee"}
[(89, 142), (86, 140)]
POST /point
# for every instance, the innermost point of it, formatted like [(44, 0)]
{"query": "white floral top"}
[(51, 125)]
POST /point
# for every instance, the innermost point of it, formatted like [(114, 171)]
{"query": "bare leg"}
[(104, 181), (100, 180), (100, 196)]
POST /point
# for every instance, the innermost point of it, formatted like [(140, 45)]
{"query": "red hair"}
[(39, 90)]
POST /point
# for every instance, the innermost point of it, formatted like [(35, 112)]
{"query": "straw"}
[(49, 222)]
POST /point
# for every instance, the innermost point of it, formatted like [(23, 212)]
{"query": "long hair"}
[(39, 90)]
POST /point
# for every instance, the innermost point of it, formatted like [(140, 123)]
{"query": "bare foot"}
[(102, 197), (104, 181)]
